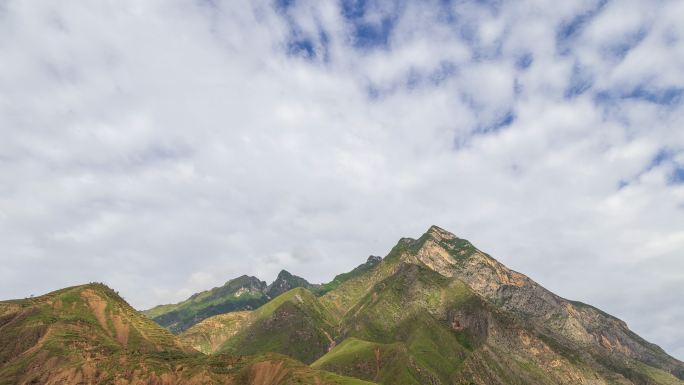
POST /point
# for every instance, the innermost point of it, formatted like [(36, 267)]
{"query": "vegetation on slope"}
[(242, 293), (89, 335), (358, 271), (382, 363), (404, 318), (209, 335), (293, 323)]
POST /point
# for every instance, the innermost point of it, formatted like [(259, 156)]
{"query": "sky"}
[(164, 146)]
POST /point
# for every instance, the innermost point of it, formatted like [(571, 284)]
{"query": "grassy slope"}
[(276, 369), (398, 319), (293, 323), (339, 279), (88, 334), (382, 363), (350, 290)]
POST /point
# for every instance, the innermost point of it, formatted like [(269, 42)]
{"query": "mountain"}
[(209, 336), (89, 335), (242, 293), (286, 282), (436, 310)]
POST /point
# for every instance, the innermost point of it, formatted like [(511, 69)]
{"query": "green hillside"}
[(89, 335), (293, 323), (382, 363)]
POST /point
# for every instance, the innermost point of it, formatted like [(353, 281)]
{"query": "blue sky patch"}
[(301, 44), (371, 35), (366, 34), (499, 123), (581, 80), (665, 157), (622, 184), (283, 5), (445, 70), (620, 48), (666, 97), (524, 61), (570, 29), (677, 175), (303, 48)]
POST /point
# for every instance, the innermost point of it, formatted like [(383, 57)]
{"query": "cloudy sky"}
[(164, 147)]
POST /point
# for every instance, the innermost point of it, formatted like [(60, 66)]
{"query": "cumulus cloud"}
[(164, 147)]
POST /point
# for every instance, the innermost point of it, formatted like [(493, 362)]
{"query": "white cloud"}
[(166, 147)]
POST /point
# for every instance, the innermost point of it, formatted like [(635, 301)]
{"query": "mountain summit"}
[(286, 282)]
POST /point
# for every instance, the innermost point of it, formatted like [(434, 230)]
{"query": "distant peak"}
[(243, 277), (284, 282), (243, 280), (439, 232), (284, 274)]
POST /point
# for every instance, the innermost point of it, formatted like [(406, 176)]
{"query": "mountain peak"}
[(284, 282), (245, 280), (284, 274), (440, 233)]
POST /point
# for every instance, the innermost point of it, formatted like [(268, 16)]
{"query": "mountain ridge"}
[(511, 314), (435, 310), (239, 294)]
